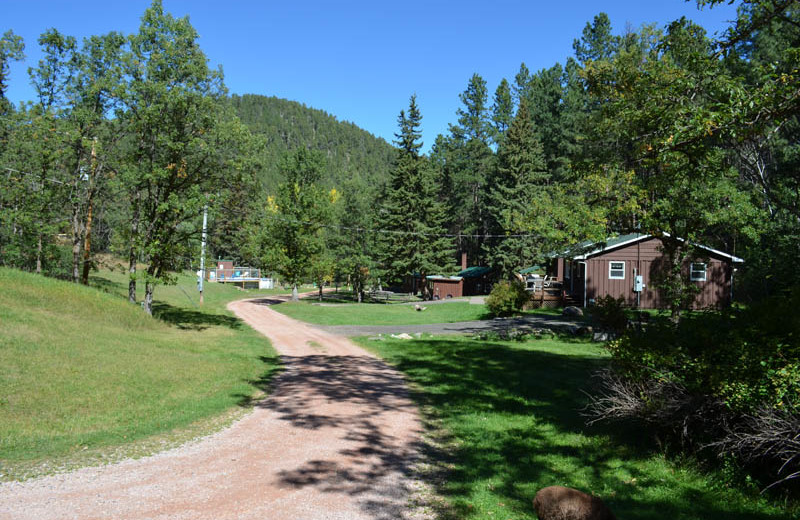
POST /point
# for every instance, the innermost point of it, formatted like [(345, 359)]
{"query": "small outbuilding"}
[(470, 281), (626, 266)]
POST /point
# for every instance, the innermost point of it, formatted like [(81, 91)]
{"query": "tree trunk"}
[(87, 244), (132, 253), (295, 296), (39, 248), (148, 297), (76, 246), (320, 292)]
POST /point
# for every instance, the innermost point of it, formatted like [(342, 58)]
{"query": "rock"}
[(402, 336), (600, 336), (563, 503), (571, 311)]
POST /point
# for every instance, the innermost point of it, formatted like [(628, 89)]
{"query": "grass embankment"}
[(85, 373), (382, 314), (510, 416)]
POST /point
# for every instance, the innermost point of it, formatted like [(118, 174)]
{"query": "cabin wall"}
[(646, 259), (443, 289)]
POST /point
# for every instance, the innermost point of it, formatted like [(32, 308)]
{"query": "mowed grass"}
[(85, 371), (508, 417), (382, 314)]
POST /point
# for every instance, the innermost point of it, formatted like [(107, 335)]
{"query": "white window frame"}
[(696, 275), (611, 269)]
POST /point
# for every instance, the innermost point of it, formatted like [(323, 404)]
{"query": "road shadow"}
[(185, 318), (516, 415), (364, 408)]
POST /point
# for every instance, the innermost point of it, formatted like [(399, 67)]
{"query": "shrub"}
[(724, 381), (609, 313), (507, 298)]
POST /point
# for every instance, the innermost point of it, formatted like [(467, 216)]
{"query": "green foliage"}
[(507, 298), (12, 48), (288, 235), (609, 313), (413, 213), (519, 177), (747, 358), (507, 415), (352, 155), (466, 160)]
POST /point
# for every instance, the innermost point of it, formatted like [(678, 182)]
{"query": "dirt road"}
[(337, 439)]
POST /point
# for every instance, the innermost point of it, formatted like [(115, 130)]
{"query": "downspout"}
[(584, 283)]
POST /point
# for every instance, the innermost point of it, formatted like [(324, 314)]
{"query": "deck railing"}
[(233, 275)]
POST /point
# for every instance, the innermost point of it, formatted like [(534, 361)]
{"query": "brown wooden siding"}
[(646, 259), (442, 289)]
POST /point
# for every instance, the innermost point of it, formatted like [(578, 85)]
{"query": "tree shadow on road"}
[(365, 409)]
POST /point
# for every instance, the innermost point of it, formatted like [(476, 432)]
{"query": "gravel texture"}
[(338, 438), (498, 325)]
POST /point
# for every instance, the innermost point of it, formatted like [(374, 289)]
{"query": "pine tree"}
[(520, 177), (502, 111), (412, 213), (470, 161)]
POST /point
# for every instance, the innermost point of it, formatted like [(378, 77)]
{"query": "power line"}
[(390, 231), (55, 181)]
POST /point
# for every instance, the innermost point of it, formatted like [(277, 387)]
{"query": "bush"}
[(609, 313), (728, 382), (507, 298)]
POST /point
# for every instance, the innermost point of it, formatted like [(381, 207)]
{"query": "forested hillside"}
[(350, 152)]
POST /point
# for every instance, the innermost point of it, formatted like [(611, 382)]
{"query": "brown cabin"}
[(612, 269), (470, 281)]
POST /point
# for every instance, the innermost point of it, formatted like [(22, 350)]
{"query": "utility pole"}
[(203, 254)]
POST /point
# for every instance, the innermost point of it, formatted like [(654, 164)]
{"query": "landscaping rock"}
[(573, 312)]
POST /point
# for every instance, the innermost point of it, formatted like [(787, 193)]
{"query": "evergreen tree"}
[(596, 42), (520, 178), (502, 111), (412, 213), (469, 162)]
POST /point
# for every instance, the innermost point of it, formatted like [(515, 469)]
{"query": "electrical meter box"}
[(638, 283)]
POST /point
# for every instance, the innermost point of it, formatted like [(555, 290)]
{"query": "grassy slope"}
[(382, 314), (85, 371), (511, 411)]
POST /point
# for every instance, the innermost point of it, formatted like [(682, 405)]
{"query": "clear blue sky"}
[(359, 60)]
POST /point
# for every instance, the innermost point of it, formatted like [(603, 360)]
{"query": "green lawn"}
[(84, 372), (508, 414), (382, 314)]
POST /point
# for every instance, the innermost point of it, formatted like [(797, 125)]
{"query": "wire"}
[(56, 181)]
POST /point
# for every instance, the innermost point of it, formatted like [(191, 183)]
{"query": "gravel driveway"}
[(499, 325), (337, 438)]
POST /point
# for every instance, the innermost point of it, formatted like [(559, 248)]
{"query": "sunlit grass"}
[(509, 414), (382, 314), (83, 370)]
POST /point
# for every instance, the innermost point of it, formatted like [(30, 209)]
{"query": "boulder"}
[(572, 312), (563, 503)]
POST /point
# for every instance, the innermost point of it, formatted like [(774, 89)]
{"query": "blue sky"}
[(359, 60)]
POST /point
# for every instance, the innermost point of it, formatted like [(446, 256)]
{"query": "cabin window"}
[(698, 272), (616, 270)]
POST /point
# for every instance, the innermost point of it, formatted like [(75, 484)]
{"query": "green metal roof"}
[(474, 272)]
